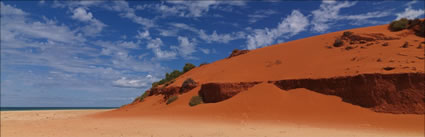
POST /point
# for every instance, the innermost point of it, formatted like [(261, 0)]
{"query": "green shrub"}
[(169, 82), (141, 97), (171, 99), (187, 67), (195, 100), (169, 77), (338, 43), (155, 84), (399, 24)]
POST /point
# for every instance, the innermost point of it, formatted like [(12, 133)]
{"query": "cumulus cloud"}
[(95, 26), (291, 25), (82, 15)]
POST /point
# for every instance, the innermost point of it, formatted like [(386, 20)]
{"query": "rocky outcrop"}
[(393, 93), (237, 52), (216, 92), (188, 85), (165, 91)]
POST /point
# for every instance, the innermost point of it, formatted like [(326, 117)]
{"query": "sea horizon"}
[(50, 108)]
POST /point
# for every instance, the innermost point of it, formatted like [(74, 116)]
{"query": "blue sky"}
[(105, 53)]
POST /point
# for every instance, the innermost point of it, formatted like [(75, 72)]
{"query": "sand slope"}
[(312, 57)]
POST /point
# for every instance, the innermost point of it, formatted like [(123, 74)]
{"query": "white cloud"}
[(260, 14), (9, 10), (134, 83), (95, 26), (186, 47), (82, 15), (409, 12), (376, 14), (291, 25), (16, 26), (127, 12), (184, 26), (220, 38), (209, 38), (188, 8), (155, 45), (143, 35), (329, 11), (205, 51)]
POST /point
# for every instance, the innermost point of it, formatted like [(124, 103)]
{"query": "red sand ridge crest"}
[(237, 52)]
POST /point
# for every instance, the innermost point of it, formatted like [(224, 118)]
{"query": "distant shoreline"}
[(50, 108)]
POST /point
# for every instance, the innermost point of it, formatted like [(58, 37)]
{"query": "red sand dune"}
[(309, 58)]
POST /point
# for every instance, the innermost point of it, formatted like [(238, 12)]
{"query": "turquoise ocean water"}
[(50, 108)]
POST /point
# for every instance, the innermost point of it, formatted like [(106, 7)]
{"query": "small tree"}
[(187, 67)]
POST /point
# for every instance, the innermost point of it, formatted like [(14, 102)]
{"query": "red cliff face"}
[(393, 93), (216, 92)]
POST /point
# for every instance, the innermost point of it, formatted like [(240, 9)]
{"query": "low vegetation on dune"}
[(204, 63), (195, 100), (172, 99), (399, 24), (141, 97), (170, 77), (417, 25), (187, 67)]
